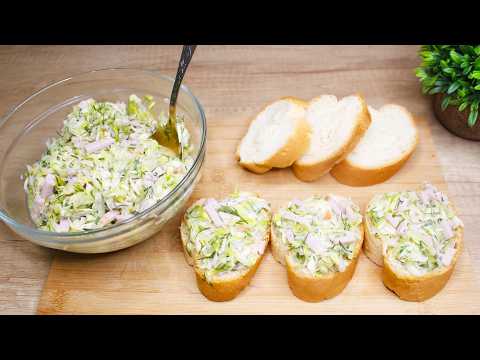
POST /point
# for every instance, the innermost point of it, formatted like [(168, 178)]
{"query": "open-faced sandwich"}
[(319, 240), (417, 237), (225, 241)]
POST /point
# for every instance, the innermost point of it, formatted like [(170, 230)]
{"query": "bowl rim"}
[(106, 230)]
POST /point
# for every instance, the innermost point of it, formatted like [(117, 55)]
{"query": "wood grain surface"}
[(233, 82)]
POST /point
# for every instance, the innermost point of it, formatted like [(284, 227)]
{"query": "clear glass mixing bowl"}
[(25, 129)]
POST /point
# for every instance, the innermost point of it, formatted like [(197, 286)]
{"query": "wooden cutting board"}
[(153, 277)]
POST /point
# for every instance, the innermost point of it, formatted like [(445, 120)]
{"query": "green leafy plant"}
[(453, 70)]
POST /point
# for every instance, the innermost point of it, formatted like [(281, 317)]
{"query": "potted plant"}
[(451, 73)]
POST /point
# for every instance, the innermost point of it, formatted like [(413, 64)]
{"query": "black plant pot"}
[(455, 121)]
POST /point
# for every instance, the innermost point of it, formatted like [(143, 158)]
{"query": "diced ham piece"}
[(99, 145), (393, 220), (447, 229), (78, 142), (123, 217), (290, 235), (211, 206), (83, 105), (259, 247), (228, 218), (335, 205), (417, 256), (37, 207), (47, 186), (178, 168), (350, 214), (424, 196), (63, 225), (444, 198), (294, 217), (315, 243), (456, 222), (447, 257), (108, 217), (296, 202), (402, 228), (429, 193), (347, 238), (433, 191), (403, 204), (159, 171), (429, 241), (342, 265)]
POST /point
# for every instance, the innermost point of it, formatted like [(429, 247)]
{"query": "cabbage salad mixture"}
[(103, 167), (228, 235), (320, 232), (419, 229)]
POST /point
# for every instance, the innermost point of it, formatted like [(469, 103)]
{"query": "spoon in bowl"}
[(167, 135)]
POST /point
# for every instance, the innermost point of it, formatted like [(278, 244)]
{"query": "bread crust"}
[(313, 171), (315, 289), (420, 288), (225, 290), (294, 148), (220, 288), (350, 174)]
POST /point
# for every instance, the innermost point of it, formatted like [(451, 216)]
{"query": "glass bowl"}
[(25, 129)]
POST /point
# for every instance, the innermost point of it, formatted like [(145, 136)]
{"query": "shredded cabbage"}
[(103, 167)]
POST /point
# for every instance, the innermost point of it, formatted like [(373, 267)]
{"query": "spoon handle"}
[(187, 53)]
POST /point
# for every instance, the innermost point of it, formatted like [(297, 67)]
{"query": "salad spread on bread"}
[(320, 232), (103, 167), (419, 229), (228, 235)]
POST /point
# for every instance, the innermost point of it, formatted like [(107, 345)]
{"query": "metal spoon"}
[(167, 135)]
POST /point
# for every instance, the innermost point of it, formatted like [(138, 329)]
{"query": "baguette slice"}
[(382, 151), (276, 137), (422, 223), (225, 242), (319, 263), (338, 126)]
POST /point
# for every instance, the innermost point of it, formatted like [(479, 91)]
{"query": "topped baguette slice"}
[(417, 237), (319, 240), (387, 144), (276, 137), (337, 127), (225, 242)]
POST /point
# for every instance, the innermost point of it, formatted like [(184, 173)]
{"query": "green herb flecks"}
[(232, 211)]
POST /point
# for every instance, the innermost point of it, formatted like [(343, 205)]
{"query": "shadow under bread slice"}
[(417, 238), (225, 241), (318, 240)]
